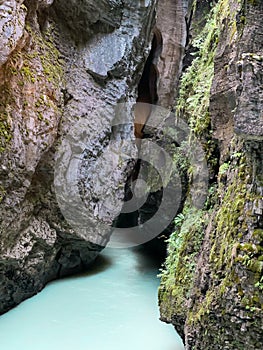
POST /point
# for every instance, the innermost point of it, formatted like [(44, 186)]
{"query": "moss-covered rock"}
[(214, 298)]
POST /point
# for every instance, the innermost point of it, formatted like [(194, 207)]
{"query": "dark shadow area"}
[(157, 248), (99, 265), (147, 93), (147, 88), (147, 97), (147, 260)]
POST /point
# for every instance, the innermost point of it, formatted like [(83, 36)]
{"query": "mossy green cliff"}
[(211, 285)]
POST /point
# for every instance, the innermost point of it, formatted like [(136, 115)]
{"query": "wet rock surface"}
[(12, 22), (54, 81), (236, 96), (213, 292), (63, 68)]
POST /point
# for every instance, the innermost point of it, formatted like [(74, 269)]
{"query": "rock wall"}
[(63, 68), (211, 288), (172, 23)]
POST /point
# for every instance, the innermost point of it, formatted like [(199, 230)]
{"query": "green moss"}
[(194, 97), (193, 106), (223, 168), (49, 55), (233, 249), (258, 233), (184, 248), (38, 65), (253, 2), (227, 222), (6, 101), (229, 257), (204, 308), (45, 50), (193, 101), (28, 74), (40, 116), (5, 134)]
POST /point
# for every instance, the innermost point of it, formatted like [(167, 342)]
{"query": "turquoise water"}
[(113, 306)]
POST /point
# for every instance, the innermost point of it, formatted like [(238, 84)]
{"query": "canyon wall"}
[(63, 68), (211, 287)]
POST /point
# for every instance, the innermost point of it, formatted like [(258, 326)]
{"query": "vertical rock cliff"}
[(212, 281), (63, 68)]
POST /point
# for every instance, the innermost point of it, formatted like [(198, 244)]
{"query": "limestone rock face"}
[(238, 66), (171, 34), (12, 22), (64, 67), (86, 17), (171, 21)]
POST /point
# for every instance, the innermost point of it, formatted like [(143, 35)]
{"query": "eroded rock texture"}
[(155, 216), (211, 289), (62, 64), (171, 21)]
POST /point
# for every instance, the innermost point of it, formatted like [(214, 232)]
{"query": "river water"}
[(113, 306)]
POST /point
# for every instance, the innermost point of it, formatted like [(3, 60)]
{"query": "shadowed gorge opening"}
[(101, 113), (147, 88), (147, 96)]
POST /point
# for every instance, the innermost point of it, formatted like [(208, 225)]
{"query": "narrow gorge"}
[(131, 146)]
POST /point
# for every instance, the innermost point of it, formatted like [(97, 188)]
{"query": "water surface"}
[(112, 306)]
